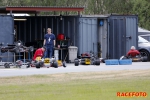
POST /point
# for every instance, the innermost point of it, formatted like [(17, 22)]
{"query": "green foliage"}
[(142, 8)]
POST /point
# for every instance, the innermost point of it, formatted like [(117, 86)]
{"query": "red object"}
[(60, 36), (133, 53), (36, 9), (38, 53), (85, 54)]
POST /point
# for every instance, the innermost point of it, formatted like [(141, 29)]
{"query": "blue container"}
[(125, 62), (112, 62)]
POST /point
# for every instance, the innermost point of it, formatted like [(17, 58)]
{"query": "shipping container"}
[(108, 36), (6, 36), (123, 33), (87, 40)]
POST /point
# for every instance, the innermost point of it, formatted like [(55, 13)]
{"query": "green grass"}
[(76, 86)]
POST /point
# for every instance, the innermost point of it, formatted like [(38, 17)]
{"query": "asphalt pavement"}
[(70, 68)]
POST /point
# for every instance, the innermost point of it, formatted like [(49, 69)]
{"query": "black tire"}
[(18, 66), (76, 62), (55, 64), (18, 63), (41, 64), (92, 61), (97, 62), (37, 65), (64, 64), (144, 59), (28, 65), (3, 50), (145, 53), (6, 65), (103, 60), (83, 61)]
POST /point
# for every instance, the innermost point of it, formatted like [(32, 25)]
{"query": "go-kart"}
[(16, 48), (47, 62), (137, 58), (87, 59)]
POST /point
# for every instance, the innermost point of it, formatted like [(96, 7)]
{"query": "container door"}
[(87, 40), (6, 36), (117, 37), (131, 32), (102, 38)]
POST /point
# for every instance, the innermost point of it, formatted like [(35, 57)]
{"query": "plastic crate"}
[(125, 62), (112, 62)]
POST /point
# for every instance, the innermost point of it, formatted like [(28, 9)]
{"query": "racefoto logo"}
[(131, 94)]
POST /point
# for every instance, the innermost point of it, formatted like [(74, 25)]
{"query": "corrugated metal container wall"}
[(117, 42), (131, 32), (102, 38), (70, 28), (7, 34), (35, 27), (121, 36), (87, 35)]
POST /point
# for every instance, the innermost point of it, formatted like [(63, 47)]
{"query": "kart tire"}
[(76, 62), (6, 65), (97, 62), (41, 64), (55, 64), (82, 61), (103, 60), (64, 64), (28, 65), (37, 65), (92, 61)]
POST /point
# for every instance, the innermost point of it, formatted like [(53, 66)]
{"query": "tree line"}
[(92, 7)]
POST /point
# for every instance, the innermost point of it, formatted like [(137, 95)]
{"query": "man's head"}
[(132, 47), (49, 30), (43, 48)]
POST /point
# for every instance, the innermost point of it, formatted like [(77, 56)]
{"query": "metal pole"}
[(24, 56)]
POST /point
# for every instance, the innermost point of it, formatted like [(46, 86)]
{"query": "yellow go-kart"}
[(86, 59), (137, 58), (47, 62)]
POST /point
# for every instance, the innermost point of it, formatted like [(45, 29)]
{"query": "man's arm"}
[(54, 43), (54, 40), (137, 52), (35, 55), (44, 42)]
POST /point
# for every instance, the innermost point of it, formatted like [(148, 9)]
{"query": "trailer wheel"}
[(6, 65)]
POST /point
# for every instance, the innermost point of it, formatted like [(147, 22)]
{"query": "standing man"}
[(49, 42)]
